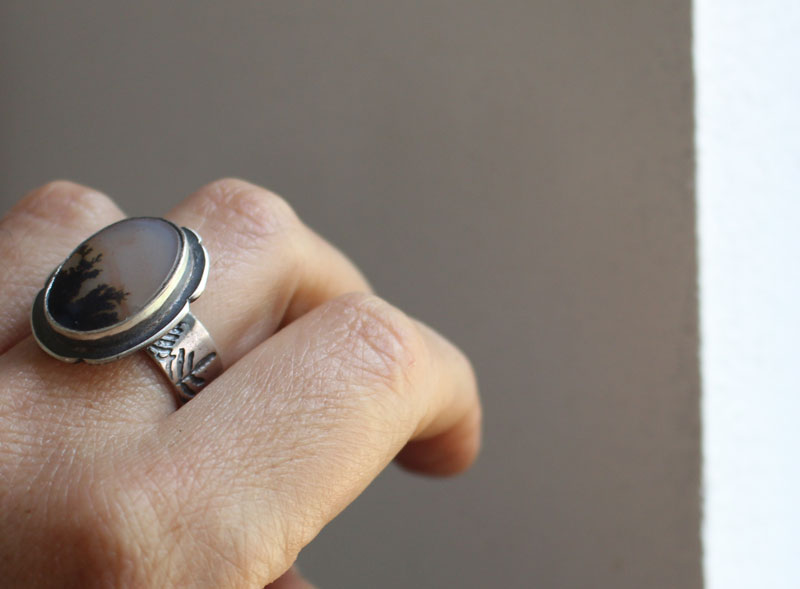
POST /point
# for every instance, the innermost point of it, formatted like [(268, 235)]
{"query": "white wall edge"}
[(747, 71)]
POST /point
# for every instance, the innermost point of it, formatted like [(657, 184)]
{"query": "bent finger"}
[(300, 426)]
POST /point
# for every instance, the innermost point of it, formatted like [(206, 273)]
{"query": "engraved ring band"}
[(128, 288)]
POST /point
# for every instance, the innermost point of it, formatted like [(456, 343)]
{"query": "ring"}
[(125, 288)]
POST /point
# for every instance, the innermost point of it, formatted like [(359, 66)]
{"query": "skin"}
[(104, 482)]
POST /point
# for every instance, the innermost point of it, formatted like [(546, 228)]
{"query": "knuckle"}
[(381, 340), (64, 202), (252, 211)]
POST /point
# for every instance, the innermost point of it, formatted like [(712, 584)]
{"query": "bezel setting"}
[(165, 309)]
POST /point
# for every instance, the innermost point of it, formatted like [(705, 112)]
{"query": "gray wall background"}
[(517, 173)]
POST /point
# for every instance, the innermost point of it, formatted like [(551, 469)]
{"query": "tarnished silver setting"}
[(172, 336), (187, 356)]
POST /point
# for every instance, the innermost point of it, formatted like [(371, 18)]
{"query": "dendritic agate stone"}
[(114, 274)]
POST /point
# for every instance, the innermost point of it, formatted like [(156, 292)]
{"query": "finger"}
[(447, 453), (292, 433), (267, 267), (35, 236), (291, 579), (450, 449)]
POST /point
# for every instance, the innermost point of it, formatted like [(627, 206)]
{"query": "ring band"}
[(125, 288), (187, 355)]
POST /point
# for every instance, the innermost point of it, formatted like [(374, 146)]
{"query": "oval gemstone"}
[(114, 274)]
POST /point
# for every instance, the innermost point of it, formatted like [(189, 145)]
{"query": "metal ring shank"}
[(187, 355)]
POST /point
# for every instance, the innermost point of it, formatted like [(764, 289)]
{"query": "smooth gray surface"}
[(518, 174)]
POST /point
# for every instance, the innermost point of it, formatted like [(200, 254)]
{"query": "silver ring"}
[(125, 288)]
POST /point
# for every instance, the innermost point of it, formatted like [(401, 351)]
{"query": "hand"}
[(104, 483)]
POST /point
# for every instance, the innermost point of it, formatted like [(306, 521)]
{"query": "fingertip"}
[(291, 579), (448, 453)]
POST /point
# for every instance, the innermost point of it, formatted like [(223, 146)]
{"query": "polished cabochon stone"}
[(114, 274)]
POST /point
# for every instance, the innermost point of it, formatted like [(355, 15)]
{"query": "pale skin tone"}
[(104, 482)]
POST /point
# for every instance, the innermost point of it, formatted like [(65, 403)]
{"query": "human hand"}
[(104, 483)]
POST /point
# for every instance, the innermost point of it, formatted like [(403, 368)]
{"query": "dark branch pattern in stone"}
[(96, 309), (114, 274)]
